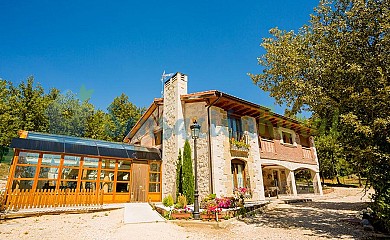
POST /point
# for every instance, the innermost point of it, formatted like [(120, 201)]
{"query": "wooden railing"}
[(307, 153), (267, 145), (41, 198)]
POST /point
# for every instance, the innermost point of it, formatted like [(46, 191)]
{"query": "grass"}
[(346, 180)]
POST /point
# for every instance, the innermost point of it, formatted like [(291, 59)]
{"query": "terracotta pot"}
[(181, 215)]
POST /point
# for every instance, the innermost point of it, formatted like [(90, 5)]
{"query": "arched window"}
[(238, 174)]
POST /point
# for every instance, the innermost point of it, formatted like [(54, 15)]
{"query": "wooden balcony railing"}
[(267, 145), (307, 153)]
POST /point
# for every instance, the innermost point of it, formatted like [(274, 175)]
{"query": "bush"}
[(168, 201), (181, 202)]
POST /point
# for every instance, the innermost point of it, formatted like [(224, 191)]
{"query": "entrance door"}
[(139, 185)]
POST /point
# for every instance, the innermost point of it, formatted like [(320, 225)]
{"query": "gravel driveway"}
[(327, 217)]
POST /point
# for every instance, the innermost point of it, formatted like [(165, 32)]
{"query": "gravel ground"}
[(327, 217)]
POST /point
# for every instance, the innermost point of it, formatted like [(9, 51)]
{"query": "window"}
[(287, 138), (238, 173), (154, 177), (158, 138), (235, 130)]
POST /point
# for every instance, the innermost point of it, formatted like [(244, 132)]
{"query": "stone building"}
[(241, 144)]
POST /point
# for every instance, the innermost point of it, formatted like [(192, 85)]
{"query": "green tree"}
[(340, 62), (188, 175), (98, 125), (123, 115), (8, 126), (179, 175), (67, 115), (28, 104)]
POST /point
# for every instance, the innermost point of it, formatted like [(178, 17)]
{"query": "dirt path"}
[(324, 218)]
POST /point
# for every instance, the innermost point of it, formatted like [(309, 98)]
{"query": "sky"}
[(113, 47)]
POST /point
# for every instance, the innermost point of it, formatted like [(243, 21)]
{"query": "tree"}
[(8, 128), (28, 105), (340, 62), (123, 115), (179, 175), (188, 175), (67, 115), (98, 125)]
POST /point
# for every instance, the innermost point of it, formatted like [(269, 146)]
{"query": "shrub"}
[(188, 175), (168, 201), (181, 201)]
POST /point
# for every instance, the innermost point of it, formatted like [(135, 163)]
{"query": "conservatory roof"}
[(83, 146)]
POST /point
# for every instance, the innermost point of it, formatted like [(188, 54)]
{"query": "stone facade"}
[(262, 157)]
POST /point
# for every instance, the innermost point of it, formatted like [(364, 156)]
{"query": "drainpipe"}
[(209, 133)]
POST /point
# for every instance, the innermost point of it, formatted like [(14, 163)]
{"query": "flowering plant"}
[(224, 202), (182, 210)]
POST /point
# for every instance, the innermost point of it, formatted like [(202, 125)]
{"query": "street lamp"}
[(195, 129)]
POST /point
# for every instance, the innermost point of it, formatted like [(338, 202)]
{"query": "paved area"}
[(326, 217), (140, 213)]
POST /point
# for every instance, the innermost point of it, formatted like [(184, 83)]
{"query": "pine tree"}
[(188, 175), (179, 175)]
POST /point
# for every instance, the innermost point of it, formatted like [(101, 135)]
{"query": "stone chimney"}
[(174, 130)]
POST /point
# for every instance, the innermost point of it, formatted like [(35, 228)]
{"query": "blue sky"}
[(124, 46)]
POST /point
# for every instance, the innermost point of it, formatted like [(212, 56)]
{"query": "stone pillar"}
[(174, 131), (316, 182), (291, 180)]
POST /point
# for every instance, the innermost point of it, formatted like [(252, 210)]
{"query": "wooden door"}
[(139, 184)]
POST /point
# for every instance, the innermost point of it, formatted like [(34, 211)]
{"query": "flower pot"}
[(181, 215)]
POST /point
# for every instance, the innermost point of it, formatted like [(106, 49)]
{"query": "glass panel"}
[(122, 187), (49, 173), (45, 184), (68, 184), (154, 187), (123, 165), (25, 171), (240, 179), (51, 159), (107, 175), (108, 164), (91, 162), (154, 177), (70, 173), (123, 176), (88, 185), (72, 161), (28, 158), (107, 186), (155, 167), (89, 174), (22, 184)]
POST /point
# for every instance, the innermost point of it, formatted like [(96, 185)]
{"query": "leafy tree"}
[(68, 116), (123, 115), (28, 104), (179, 175), (340, 62), (188, 175), (8, 128), (98, 125)]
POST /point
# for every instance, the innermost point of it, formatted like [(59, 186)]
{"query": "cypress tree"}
[(179, 175), (188, 176)]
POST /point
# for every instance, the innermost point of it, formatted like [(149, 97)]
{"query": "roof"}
[(230, 103), (84, 146)]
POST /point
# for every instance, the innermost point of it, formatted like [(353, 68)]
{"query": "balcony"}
[(239, 144), (273, 149)]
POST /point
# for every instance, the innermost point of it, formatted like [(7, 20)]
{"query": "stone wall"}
[(199, 111)]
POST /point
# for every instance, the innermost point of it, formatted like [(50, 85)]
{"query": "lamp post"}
[(195, 129)]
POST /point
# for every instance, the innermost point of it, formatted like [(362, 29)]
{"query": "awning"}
[(83, 146)]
